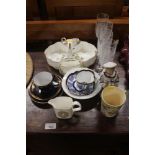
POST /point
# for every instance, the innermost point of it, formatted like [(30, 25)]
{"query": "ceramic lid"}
[(110, 65), (68, 64)]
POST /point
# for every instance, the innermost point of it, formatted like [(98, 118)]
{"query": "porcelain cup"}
[(43, 85), (112, 99), (85, 80)]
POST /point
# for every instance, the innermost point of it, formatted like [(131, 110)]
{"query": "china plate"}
[(67, 91)]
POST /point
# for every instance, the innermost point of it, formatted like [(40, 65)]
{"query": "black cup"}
[(43, 85)]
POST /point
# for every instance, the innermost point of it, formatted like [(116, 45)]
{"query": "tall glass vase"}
[(105, 45)]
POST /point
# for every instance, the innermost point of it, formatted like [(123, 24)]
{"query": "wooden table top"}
[(90, 120)]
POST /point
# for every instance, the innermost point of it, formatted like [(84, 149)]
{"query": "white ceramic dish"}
[(54, 54), (84, 51), (66, 90), (67, 64)]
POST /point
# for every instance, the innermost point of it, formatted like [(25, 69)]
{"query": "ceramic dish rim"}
[(41, 99), (46, 101)]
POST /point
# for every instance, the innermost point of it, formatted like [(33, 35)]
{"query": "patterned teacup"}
[(85, 80)]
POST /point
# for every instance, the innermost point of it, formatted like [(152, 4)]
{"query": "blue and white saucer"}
[(71, 88)]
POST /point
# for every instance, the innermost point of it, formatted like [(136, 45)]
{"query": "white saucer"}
[(66, 90)]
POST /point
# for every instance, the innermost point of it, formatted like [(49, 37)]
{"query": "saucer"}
[(45, 101), (57, 79), (69, 84)]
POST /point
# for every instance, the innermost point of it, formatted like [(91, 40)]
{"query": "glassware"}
[(105, 45)]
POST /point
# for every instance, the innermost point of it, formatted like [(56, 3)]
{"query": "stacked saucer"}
[(81, 83), (44, 87)]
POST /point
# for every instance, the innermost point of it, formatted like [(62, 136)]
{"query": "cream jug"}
[(64, 107), (109, 75)]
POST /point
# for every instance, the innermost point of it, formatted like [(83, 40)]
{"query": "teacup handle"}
[(78, 104)]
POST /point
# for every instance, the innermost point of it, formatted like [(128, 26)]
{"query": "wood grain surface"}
[(82, 9), (83, 29), (32, 10), (90, 120), (71, 9)]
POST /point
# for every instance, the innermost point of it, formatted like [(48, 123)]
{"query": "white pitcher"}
[(64, 106)]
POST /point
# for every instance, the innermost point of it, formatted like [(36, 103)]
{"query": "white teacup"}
[(64, 107), (85, 80)]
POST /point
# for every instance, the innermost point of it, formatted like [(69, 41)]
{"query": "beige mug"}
[(112, 99)]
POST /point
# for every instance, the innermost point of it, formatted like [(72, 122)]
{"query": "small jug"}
[(109, 75), (64, 107)]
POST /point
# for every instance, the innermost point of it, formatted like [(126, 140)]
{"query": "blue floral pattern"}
[(73, 86)]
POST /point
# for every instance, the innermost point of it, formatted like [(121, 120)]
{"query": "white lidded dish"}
[(83, 51)]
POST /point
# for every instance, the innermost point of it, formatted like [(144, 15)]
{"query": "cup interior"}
[(42, 79), (85, 77), (113, 96)]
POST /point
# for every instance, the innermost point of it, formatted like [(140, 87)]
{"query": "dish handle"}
[(77, 104)]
